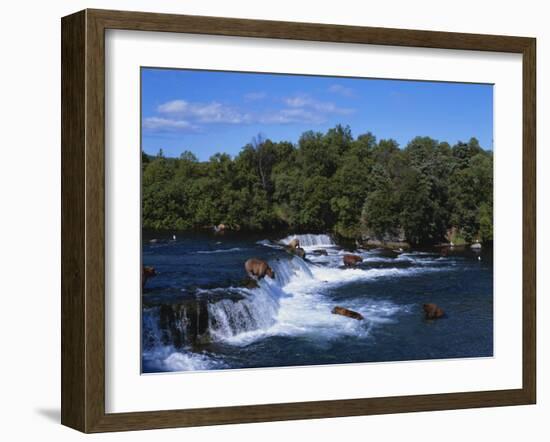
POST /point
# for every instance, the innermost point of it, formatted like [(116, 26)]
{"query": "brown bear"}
[(352, 260), (433, 311), (147, 272), (346, 312), (256, 268), (294, 243), (297, 251)]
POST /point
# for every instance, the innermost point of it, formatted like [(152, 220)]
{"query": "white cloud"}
[(287, 116), (324, 107), (255, 96), (341, 90), (171, 107), (298, 101), (185, 116), (157, 123), (212, 112)]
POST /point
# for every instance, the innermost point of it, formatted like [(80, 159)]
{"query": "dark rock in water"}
[(249, 283), (297, 251), (352, 260), (320, 252), (185, 323), (197, 320), (432, 311), (146, 273), (348, 313), (395, 242)]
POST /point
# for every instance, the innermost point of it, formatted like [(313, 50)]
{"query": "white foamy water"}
[(310, 240), (297, 302), (179, 361), (258, 311), (268, 243)]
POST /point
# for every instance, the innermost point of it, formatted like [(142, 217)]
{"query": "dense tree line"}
[(331, 182)]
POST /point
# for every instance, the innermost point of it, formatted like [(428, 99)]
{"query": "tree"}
[(380, 213), (471, 186), (350, 185), (265, 157), (328, 182)]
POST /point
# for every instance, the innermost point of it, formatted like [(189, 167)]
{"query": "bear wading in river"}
[(433, 311), (256, 268), (148, 272), (294, 243), (352, 260), (347, 312)]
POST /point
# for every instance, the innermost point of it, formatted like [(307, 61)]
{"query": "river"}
[(196, 315)]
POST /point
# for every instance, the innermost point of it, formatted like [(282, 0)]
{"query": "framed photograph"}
[(266, 220)]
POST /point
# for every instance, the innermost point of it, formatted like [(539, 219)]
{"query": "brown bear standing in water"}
[(347, 312), (294, 243), (433, 311), (352, 260), (256, 268), (148, 272)]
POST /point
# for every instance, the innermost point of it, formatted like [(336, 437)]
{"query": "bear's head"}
[(149, 272), (429, 308)]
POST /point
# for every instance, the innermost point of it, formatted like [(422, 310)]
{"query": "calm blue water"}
[(197, 315)]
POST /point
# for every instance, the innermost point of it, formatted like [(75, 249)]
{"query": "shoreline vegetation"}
[(358, 189)]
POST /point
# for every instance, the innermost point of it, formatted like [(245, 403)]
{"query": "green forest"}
[(329, 182)]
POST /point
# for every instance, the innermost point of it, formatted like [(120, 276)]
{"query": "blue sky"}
[(206, 112)]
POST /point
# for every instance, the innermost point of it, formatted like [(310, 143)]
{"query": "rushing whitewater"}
[(286, 320), (309, 240)]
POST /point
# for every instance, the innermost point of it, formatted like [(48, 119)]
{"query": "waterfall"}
[(258, 311), (311, 240), (176, 325), (200, 320), (151, 334), (286, 269)]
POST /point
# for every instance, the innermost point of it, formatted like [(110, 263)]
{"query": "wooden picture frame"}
[(83, 220)]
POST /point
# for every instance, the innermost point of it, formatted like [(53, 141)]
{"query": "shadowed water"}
[(198, 316)]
